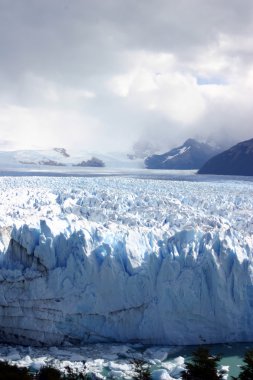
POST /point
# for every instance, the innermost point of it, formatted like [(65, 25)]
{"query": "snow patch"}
[(180, 152)]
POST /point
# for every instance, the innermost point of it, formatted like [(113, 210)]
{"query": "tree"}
[(49, 373), (141, 369), (71, 375), (247, 369), (203, 366), (13, 372)]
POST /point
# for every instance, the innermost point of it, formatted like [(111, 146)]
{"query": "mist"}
[(105, 76)]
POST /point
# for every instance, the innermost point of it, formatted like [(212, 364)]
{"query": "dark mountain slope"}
[(237, 160), (191, 155)]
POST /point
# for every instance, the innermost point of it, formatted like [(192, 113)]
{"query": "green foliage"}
[(247, 369), (12, 372), (203, 366), (141, 369)]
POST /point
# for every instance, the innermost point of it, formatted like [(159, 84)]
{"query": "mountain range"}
[(237, 160), (31, 159), (209, 159), (191, 155)]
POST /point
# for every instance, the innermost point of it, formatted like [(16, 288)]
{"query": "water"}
[(102, 358), (232, 355)]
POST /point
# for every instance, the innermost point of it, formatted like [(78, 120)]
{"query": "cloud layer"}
[(102, 75)]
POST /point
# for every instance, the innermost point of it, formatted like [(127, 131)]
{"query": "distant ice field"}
[(180, 175), (168, 205), (126, 259)]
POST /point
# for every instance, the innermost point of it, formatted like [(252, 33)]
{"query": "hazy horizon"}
[(103, 76)]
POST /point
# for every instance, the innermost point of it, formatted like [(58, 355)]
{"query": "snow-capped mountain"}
[(191, 155), (237, 160), (61, 157)]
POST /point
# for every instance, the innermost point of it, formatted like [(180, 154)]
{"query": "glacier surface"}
[(125, 260)]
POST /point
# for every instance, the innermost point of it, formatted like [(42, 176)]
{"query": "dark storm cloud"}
[(98, 62)]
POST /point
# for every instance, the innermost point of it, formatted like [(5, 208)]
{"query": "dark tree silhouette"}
[(49, 373), (203, 366), (247, 369), (12, 372), (141, 369), (71, 375)]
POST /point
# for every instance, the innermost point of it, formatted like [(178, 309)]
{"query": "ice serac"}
[(116, 280)]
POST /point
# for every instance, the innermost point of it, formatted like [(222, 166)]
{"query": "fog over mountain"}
[(105, 75)]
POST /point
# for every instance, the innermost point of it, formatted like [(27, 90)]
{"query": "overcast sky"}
[(104, 74)]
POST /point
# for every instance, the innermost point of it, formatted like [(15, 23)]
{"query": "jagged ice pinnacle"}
[(117, 259)]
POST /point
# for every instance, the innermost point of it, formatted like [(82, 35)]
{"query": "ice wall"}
[(118, 264)]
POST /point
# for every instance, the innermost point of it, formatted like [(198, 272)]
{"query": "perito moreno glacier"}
[(116, 259)]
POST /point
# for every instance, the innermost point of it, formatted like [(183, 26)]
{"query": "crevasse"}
[(183, 278)]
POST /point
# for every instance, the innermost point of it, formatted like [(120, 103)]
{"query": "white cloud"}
[(101, 74), (40, 127), (154, 83)]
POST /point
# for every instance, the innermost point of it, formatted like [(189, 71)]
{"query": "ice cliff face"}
[(112, 259)]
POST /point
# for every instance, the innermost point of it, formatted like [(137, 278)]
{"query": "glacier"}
[(114, 259)]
